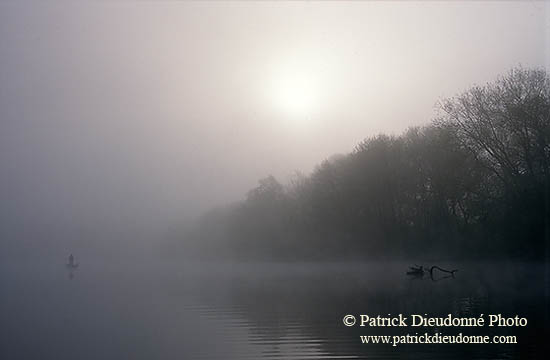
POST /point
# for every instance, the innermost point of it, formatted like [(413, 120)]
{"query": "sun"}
[(294, 93)]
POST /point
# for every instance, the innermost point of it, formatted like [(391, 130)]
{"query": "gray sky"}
[(137, 111)]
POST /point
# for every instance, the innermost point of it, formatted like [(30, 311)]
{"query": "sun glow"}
[(294, 92)]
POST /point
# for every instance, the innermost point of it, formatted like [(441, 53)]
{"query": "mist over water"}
[(232, 178), (158, 310)]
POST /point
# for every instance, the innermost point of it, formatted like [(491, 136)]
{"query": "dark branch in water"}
[(452, 272), (419, 270)]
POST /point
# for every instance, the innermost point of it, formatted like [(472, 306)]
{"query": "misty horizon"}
[(251, 179), (146, 110)]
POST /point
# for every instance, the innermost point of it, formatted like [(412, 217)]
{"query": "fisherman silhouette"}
[(71, 266), (72, 263)]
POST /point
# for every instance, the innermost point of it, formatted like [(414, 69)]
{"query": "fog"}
[(121, 121)]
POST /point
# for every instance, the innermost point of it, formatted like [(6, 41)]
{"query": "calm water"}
[(256, 311)]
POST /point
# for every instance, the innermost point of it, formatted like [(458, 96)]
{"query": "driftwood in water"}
[(419, 270), (415, 270), (452, 272)]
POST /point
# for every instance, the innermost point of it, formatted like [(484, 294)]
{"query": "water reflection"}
[(257, 311), (295, 311)]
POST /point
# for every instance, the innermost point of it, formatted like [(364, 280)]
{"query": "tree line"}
[(474, 182)]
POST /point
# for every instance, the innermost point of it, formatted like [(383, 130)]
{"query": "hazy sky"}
[(136, 111)]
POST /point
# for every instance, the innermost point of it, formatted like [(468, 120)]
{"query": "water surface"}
[(157, 310)]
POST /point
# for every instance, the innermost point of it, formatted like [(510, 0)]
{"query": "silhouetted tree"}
[(474, 181)]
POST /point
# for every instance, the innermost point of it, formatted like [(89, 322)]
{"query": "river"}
[(204, 310)]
